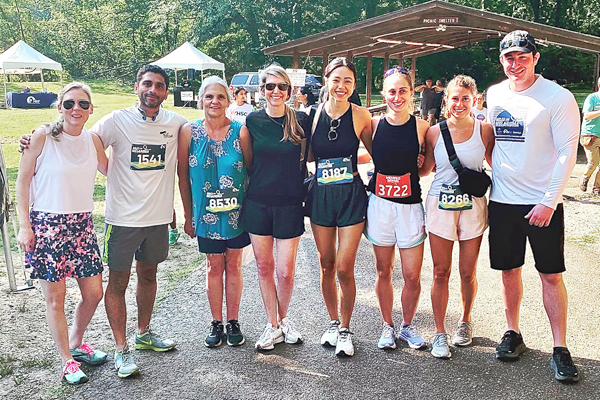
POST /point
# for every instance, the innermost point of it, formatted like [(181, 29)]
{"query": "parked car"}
[(247, 80), (314, 82)]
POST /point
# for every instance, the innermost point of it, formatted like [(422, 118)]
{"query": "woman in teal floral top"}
[(212, 182)]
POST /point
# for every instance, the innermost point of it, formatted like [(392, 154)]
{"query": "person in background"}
[(590, 140), (536, 125), (272, 212), (56, 178), (453, 216), (479, 111), (305, 97), (439, 101), (239, 109), (395, 215), (428, 92), (212, 183)]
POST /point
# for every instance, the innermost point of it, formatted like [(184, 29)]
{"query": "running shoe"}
[(464, 334), (85, 353), (330, 336), (290, 333), (215, 335), (72, 374), (409, 334), (270, 337), (344, 344), (439, 347), (124, 363), (563, 366), (583, 183), (388, 337), (511, 347), (234, 333), (151, 341), (173, 236), (596, 191)]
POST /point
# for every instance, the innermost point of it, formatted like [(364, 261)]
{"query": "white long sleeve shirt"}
[(536, 133)]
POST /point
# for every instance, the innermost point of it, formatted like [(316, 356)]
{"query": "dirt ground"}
[(29, 363)]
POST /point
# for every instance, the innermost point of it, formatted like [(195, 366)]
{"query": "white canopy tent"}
[(21, 58), (186, 57)]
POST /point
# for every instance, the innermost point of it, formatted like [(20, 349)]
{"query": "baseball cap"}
[(517, 41)]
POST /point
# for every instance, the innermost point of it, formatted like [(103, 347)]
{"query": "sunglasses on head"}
[(83, 104), (399, 70), (282, 86), (517, 42)]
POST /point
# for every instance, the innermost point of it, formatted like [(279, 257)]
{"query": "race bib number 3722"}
[(148, 157), (392, 186)]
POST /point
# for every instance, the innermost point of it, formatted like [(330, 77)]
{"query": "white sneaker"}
[(289, 331), (464, 334), (344, 343), (439, 347), (270, 337), (388, 337), (330, 336)]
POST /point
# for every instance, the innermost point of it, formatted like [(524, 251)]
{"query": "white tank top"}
[(65, 173), (471, 154)]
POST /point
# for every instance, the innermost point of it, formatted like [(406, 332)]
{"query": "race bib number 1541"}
[(148, 157)]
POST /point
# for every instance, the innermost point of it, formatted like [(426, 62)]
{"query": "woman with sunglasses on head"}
[(451, 215), (212, 183), (55, 188), (272, 212), (337, 203), (305, 97), (395, 216)]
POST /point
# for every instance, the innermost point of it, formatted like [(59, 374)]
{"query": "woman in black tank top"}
[(337, 203), (395, 215)]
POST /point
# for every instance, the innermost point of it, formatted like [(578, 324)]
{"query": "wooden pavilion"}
[(421, 30)]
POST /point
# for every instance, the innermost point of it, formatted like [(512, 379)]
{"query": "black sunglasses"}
[(399, 70), (68, 104), (517, 42), (282, 86), (333, 125)]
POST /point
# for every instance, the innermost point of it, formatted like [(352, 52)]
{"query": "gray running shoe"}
[(464, 334), (270, 337), (440, 348), (151, 341), (344, 344), (330, 336), (124, 363)]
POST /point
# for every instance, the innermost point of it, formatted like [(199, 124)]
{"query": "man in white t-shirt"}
[(139, 206), (239, 109), (536, 124)]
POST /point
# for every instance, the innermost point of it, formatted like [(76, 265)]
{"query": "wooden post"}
[(596, 72), (369, 78), (296, 59), (349, 56), (325, 62), (386, 62), (413, 66)]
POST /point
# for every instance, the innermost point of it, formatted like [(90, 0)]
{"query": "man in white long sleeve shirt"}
[(536, 124)]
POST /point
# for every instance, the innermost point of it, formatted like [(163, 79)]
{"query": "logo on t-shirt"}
[(508, 127)]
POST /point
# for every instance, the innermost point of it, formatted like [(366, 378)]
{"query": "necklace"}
[(271, 118)]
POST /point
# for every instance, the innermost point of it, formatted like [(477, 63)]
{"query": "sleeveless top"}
[(395, 152), (346, 143), (471, 154), (65, 174), (216, 166)]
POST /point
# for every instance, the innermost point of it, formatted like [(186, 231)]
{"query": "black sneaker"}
[(214, 337), (562, 364), (511, 347), (234, 334)]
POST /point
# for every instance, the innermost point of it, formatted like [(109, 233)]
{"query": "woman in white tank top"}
[(452, 215), (55, 188)]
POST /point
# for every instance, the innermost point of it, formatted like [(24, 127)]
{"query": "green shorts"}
[(149, 244)]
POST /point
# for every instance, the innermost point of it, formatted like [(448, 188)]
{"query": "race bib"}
[(148, 157), (222, 200), (452, 198), (334, 171), (392, 186)]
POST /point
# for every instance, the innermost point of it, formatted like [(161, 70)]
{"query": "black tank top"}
[(395, 152), (346, 143)]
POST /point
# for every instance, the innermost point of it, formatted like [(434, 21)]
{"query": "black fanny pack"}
[(472, 182)]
